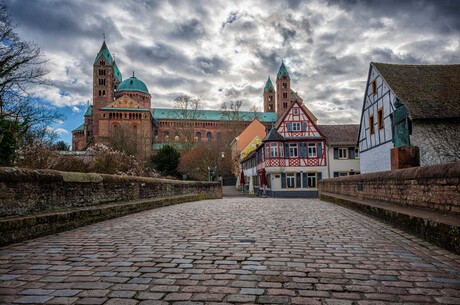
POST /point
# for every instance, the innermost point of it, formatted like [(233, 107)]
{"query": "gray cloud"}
[(220, 50)]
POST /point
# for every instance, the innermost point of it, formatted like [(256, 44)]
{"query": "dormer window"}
[(296, 111)]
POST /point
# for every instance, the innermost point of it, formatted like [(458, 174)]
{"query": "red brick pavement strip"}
[(231, 251)]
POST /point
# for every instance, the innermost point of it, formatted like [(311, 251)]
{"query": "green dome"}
[(133, 84)]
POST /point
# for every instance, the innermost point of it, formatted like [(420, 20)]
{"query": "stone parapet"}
[(435, 188)]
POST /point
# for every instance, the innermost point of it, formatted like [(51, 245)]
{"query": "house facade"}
[(431, 96), (292, 155)]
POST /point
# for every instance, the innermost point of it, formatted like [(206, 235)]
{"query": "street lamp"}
[(217, 164)]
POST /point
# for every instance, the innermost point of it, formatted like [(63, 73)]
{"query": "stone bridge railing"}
[(40, 202), (421, 200)]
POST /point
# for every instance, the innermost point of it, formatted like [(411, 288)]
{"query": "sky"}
[(220, 50)]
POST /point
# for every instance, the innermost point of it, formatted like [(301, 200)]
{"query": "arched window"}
[(102, 62), (209, 136), (166, 136), (219, 136), (198, 136)]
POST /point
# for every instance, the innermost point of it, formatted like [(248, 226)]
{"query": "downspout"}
[(328, 160)]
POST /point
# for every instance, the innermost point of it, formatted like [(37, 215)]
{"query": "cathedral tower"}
[(106, 77), (283, 90), (269, 96)]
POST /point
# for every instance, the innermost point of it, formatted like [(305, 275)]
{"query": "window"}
[(380, 119), (311, 180), (296, 126), (284, 86), (343, 153), (219, 137), (270, 107), (198, 136), (374, 87), (284, 94), (209, 136), (101, 72), (293, 150), (166, 136), (270, 98), (274, 150), (101, 82), (371, 124), (311, 150), (102, 62), (356, 152), (296, 111), (284, 105), (290, 180)]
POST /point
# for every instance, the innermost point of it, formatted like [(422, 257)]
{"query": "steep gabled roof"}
[(304, 108), (273, 135), (428, 91), (340, 134)]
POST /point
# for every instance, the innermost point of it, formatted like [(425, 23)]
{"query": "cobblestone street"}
[(234, 250)]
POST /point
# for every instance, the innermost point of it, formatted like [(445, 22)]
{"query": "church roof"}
[(269, 85), (211, 115), (89, 111), (133, 84), (104, 52), (282, 71), (116, 72), (80, 128), (428, 91), (346, 134)]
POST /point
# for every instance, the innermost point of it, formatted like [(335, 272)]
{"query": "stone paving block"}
[(302, 255), (238, 298), (121, 302)]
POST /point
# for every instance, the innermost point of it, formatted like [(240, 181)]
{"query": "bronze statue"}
[(401, 124)]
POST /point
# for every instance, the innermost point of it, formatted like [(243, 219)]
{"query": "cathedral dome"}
[(133, 84)]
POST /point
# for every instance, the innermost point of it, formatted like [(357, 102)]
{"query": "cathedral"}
[(125, 106)]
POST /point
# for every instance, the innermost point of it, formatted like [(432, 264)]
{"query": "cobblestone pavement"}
[(234, 250)]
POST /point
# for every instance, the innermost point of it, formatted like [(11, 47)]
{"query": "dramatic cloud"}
[(220, 51)]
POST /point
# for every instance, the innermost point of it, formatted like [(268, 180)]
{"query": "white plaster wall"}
[(377, 159), (339, 165)]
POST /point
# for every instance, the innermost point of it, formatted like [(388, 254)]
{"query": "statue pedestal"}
[(404, 157)]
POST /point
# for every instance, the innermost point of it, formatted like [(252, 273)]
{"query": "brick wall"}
[(27, 192), (435, 187)]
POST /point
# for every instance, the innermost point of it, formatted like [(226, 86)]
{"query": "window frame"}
[(274, 150), (293, 147), (309, 176), (291, 176), (356, 152), (344, 156), (371, 124), (314, 153), (380, 118), (296, 126)]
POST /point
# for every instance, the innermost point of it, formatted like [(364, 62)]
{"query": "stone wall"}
[(435, 187), (34, 203), (27, 192)]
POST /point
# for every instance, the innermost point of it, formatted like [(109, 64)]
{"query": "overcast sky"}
[(219, 51)]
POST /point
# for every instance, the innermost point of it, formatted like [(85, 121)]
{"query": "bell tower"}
[(269, 96), (103, 84), (283, 89)]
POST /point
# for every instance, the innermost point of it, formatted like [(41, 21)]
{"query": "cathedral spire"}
[(269, 85), (283, 71)]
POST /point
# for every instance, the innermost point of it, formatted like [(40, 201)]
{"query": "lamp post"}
[(217, 164)]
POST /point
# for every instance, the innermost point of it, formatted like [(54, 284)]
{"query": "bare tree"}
[(231, 112), (123, 139), (187, 112), (22, 66)]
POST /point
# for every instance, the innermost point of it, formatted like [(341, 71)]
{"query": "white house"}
[(431, 94)]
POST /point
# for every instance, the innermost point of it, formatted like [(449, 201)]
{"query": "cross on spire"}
[(133, 73), (103, 35)]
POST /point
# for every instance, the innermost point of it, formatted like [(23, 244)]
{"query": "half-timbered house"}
[(431, 95), (292, 155)]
